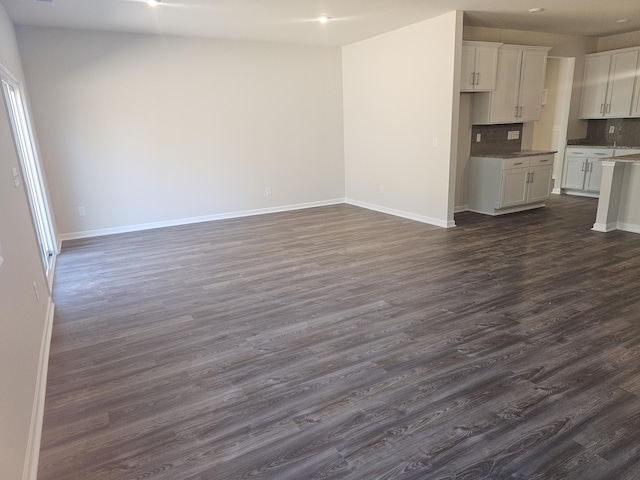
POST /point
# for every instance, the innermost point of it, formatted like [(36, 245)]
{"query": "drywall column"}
[(400, 92)]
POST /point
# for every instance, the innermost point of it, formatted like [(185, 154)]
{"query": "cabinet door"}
[(467, 72), (621, 82), (504, 98), (594, 175), (594, 87), (514, 187), (486, 63), (539, 183), (534, 64), (574, 173)]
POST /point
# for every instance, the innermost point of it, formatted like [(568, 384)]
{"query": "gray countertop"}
[(522, 153), (632, 158), (616, 147)]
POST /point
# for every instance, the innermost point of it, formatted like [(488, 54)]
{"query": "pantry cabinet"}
[(479, 63), (504, 185), (608, 86), (517, 96)]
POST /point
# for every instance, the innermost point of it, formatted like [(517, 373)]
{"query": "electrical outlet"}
[(513, 135), (509, 135), (268, 191), (381, 188), (478, 137), (612, 129), (81, 211)]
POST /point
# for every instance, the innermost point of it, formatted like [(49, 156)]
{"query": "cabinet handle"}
[(583, 165), (516, 113), (473, 78), (608, 107), (518, 163), (531, 181), (544, 160), (477, 78), (590, 166), (520, 112), (602, 108)]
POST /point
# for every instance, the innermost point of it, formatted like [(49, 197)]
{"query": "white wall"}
[(623, 40), (144, 130), (400, 92), (23, 319)]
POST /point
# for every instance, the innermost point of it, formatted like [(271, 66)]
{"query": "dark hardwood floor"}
[(338, 342)]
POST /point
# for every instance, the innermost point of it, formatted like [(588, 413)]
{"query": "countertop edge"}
[(525, 153)]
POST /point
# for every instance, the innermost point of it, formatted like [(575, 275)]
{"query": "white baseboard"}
[(604, 227), (461, 208), (30, 470), (628, 227), (399, 213), (557, 191), (187, 221)]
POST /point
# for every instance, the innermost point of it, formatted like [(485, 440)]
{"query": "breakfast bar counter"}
[(619, 203)]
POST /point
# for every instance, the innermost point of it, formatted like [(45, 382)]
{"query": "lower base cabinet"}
[(505, 185), (583, 170), (582, 173)]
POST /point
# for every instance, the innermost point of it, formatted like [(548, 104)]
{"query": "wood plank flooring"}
[(337, 342)]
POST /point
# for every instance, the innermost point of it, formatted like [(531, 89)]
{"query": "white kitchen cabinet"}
[(479, 62), (583, 170), (608, 86), (517, 97), (504, 185)]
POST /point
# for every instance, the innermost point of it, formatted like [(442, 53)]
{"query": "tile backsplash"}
[(496, 139), (626, 132)]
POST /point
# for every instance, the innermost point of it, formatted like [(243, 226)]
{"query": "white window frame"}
[(24, 142)]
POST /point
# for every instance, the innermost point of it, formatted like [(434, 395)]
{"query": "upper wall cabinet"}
[(517, 97), (608, 88), (479, 62)]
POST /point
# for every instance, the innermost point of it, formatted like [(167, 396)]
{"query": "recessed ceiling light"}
[(324, 19), (622, 20), (153, 3), (536, 10)]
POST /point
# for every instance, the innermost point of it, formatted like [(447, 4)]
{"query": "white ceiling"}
[(293, 20)]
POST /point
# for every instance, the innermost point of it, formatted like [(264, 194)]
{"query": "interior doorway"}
[(30, 166), (550, 132)]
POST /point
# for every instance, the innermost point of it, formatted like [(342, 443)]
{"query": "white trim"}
[(4, 71), (30, 470), (461, 208), (556, 191), (187, 221), (400, 213), (628, 227), (602, 227)]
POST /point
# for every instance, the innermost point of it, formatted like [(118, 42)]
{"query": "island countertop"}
[(631, 158)]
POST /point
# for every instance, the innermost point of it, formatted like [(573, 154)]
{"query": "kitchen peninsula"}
[(618, 206)]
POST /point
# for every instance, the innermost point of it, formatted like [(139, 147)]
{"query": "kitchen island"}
[(619, 203)]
